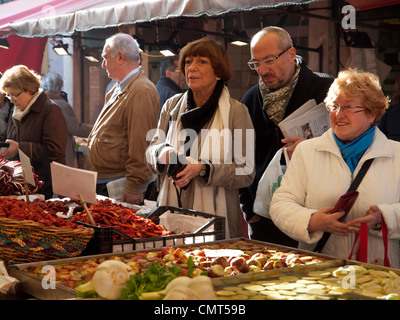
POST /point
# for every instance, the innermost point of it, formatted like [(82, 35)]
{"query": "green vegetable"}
[(86, 290), (86, 294), (154, 278)]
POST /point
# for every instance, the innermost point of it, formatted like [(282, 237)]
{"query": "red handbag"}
[(345, 202), (362, 253)]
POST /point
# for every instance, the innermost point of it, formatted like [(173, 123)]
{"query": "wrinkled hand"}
[(132, 198), (12, 150), (373, 216), (291, 143), (191, 171), (324, 220)]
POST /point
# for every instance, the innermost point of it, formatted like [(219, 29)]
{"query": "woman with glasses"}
[(322, 169), (38, 126)]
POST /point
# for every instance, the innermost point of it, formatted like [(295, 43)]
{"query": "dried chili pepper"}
[(109, 214)]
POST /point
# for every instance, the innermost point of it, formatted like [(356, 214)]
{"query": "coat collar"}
[(130, 80), (380, 147)]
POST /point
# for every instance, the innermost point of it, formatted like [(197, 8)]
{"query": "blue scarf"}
[(353, 151)]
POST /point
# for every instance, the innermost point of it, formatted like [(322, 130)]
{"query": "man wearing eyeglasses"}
[(285, 84), (171, 81)]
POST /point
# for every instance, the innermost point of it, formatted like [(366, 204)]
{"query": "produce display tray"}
[(282, 279), (103, 239), (32, 285)]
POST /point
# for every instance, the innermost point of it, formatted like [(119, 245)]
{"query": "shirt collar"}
[(130, 74)]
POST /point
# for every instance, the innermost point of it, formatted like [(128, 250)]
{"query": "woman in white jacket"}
[(322, 169)]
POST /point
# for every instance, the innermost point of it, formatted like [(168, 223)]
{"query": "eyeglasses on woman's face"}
[(268, 62), (15, 97), (345, 109)]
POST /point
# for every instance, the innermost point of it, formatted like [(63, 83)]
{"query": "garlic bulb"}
[(180, 292), (203, 288), (185, 288), (200, 280), (180, 281), (110, 277)]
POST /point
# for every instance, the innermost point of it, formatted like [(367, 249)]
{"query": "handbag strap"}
[(385, 237), (353, 187), (362, 253), (357, 180)]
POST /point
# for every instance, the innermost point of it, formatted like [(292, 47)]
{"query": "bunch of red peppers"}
[(104, 212)]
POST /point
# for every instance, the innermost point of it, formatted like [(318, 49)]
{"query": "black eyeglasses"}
[(345, 109), (15, 97), (256, 64)]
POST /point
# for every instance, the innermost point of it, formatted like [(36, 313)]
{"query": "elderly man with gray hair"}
[(117, 142), (52, 84)]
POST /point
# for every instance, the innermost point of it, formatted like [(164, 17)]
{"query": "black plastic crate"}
[(102, 240)]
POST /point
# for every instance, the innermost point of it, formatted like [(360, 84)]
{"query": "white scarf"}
[(203, 195), (19, 114)]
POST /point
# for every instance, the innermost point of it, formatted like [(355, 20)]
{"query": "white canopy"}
[(41, 18)]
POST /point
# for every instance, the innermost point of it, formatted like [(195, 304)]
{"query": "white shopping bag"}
[(269, 182)]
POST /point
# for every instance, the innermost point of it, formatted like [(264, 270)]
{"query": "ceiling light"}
[(91, 59), (167, 53), (61, 48), (239, 43), (4, 44)]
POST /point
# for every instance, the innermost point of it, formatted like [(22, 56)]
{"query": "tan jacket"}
[(117, 142)]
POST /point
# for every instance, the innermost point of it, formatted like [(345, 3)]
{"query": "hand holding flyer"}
[(309, 121)]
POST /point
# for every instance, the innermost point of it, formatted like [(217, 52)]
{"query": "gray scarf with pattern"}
[(275, 102)]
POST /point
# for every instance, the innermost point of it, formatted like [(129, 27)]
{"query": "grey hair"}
[(285, 41), (52, 82), (125, 43), (167, 63)]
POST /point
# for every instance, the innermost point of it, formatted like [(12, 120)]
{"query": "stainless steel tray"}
[(301, 271), (32, 285)]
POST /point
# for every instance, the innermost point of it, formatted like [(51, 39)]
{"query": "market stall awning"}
[(371, 4), (41, 18), (26, 10)]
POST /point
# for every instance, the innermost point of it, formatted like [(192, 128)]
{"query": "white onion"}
[(110, 278)]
